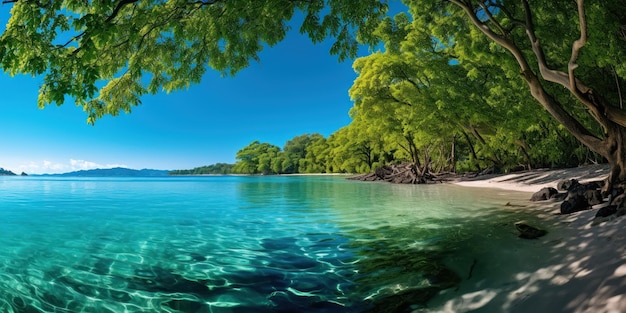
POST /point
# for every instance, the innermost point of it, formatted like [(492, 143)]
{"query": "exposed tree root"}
[(406, 173)]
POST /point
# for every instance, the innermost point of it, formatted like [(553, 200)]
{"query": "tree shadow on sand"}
[(577, 267)]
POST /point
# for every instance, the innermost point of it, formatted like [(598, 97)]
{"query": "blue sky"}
[(296, 88)]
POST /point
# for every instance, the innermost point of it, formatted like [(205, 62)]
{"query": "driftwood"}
[(406, 173)]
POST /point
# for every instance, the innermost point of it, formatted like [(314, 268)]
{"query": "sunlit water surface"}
[(238, 244)]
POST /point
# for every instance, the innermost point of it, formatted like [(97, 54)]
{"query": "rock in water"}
[(529, 232)]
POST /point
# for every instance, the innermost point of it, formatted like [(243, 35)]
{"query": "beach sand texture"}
[(576, 267)]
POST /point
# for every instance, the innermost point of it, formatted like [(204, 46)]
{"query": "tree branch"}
[(117, 9), (507, 44), (577, 45), (546, 72), (491, 19), (536, 87)]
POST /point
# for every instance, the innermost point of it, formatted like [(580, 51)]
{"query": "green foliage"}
[(213, 169), (256, 158), (105, 55)]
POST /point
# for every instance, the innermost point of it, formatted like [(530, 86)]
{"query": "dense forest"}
[(359, 149), (419, 102)]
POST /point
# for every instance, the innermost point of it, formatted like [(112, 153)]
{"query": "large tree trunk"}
[(610, 118), (616, 156)]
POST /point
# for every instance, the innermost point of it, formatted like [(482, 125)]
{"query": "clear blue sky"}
[(297, 88)]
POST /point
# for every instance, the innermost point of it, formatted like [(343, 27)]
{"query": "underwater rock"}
[(185, 305), (405, 301), (158, 279), (401, 297), (529, 232)]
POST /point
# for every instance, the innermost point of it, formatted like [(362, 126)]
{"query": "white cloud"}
[(78, 165), (49, 167)]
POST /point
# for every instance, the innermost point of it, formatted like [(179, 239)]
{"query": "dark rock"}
[(618, 200), (593, 196), (561, 196), (567, 184), (606, 211), (529, 232), (597, 184), (544, 194), (614, 194), (574, 204), (577, 190)]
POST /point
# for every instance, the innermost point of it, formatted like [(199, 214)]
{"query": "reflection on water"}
[(238, 244)]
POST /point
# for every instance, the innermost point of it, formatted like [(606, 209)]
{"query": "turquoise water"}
[(237, 244)]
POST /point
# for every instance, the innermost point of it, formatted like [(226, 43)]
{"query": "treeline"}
[(358, 148), (213, 169)]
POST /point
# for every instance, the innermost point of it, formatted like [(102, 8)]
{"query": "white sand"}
[(532, 181), (576, 267)]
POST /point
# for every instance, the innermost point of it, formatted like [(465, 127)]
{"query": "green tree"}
[(351, 150), (314, 160), (256, 158), (217, 168), (570, 55), (294, 151), (106, 54)]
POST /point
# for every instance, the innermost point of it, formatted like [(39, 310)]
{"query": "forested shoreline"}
[(342, 152), (453, 107)]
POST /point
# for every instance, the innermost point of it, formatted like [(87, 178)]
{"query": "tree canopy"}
[(105, 55)]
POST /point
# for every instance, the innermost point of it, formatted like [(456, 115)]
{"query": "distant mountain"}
[(112, 172), (4, 172)]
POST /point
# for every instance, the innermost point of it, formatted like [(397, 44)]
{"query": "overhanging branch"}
[(577, 45)]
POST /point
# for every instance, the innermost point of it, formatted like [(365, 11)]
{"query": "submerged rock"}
[(529, 232)]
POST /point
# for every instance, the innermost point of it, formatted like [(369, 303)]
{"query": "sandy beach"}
[(576, 267)]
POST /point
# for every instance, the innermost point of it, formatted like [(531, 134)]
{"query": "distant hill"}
[(112, 172), (4, 172)]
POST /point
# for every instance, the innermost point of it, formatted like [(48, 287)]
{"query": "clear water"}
[(237, 244)]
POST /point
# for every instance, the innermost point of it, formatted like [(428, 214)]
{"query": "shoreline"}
[(577, 267), (532, 181)]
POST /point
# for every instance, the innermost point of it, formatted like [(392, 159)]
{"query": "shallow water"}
[(239, 244)]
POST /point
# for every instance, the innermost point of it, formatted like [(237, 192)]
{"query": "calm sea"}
[(240, 244)]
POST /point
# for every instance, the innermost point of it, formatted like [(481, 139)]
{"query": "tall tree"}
[(256, 158), (570, 54)]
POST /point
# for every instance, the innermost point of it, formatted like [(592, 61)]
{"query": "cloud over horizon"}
[(48, 167)]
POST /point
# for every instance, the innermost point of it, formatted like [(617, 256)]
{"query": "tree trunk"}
[(453, 155), (616, 156), (472, 150)]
